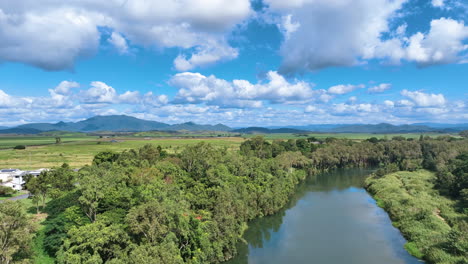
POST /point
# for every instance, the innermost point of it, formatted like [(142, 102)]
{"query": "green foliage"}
[(97, 242), (105, 156), (149, 206), (6, 191), (435, 229), (15, 232), (464, 133), (20, 147), (413, 250)]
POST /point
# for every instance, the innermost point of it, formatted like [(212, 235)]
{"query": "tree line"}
[(149, 206)]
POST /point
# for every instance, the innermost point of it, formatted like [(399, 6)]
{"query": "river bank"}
[(435, 230)]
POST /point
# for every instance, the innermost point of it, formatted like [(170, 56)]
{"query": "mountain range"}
[(123, 123), (117, 123)]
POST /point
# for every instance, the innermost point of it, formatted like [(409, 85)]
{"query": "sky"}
[(236, 62)]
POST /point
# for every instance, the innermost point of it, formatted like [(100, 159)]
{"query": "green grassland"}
[(80, 153), (12, 141), (354, 136)]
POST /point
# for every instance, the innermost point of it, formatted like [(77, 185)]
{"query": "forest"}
[(148, 206)]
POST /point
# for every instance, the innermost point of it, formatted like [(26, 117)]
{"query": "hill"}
[(20, 131), (262, 130), (384, 128), (98, 123), (116, 123), (190, 126)]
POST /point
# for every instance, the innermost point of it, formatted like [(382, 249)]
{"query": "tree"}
[(61, 180), (16, 232), (105, 156), (464, 133), (97, 242), (20, 147), (92, 186), (39, 187), (58, 140), (5, 190)]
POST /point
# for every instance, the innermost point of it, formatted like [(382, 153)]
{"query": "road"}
[(19, 197)]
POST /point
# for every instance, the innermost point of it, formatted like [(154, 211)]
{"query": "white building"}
[(12, 178), (36, 173)]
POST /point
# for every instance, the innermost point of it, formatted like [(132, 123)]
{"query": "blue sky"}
[(235, 62)]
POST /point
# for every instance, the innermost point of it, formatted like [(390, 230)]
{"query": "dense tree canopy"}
[(144, 205)]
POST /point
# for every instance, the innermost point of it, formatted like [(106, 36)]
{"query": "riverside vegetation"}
[(149, 206)]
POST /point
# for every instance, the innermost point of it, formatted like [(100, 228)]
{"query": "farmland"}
[(79, 149)]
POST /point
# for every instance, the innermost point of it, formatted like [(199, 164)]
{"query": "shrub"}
[(20, 147), (5, 190), (413, 250)]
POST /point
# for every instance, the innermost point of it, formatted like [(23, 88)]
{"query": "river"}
[(330, 220)]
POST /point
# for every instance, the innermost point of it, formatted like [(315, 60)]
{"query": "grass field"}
[(42, 152), (12, 141), (80, 153), (356, 136)]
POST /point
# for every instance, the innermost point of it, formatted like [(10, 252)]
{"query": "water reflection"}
[(330, 219)]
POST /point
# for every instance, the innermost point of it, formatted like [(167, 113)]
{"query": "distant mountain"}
[(3, 127), (453, 127), (190, 126), (315, 128), (116, 123), (384, 128), (100, 123), (262, 130), (20, 131)]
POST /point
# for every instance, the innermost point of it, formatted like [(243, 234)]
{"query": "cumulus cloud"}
[(197, 88), (332, 33), (425, 100), (99, 92), (206, 55), (65, 87), (51, 39), (359, 31), (53, 34), (443, 44), (344, 88), (119, 42), (380, 88)]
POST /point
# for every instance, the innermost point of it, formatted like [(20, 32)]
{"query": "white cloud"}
[(51, 39), (65, 87), (206, 55), (438, 3), (443, 43), (404, 103), (5, 100), (380, 88), (389, 103), (130, 97), (332, 33), (53, 34), (311, 109), (288, 26), (197, 88), (98, 93), (425, 100), (352, 99), (344, 88), (346, 33), (119, 42)]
